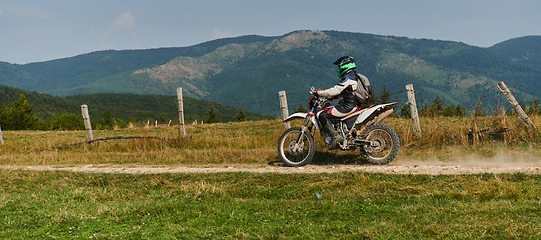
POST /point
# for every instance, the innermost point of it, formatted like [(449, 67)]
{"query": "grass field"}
[(262, 206), (352, 205), (255, 142)]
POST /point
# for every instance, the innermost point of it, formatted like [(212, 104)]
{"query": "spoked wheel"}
[(296, 150), (385, 144)]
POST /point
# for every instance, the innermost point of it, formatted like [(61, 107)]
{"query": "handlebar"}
[(314, 93), (313, 90)]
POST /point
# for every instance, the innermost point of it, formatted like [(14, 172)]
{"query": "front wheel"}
[(295, 147), (385, 144)]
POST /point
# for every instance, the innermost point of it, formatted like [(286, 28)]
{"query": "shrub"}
[(68, 121)]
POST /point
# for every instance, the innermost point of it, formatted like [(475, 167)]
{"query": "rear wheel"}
[(385, 144), (296, 150)]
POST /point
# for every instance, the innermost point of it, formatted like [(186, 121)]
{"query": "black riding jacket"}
[(345, 88)]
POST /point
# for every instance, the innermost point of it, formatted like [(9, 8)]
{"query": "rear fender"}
[(369, 112)]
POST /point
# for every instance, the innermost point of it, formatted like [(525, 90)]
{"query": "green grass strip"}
[(352, 205)]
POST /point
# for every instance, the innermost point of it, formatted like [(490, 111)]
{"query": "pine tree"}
[(212, 117), (4, 112), (162, 118), (478, 111), (533, 107), (20, 116), (425, 110), (437, 107), (241, 115), (372, 99), (405, 111), (449, 110), (384, 96), (108, 121), (299, 109), (459, 111)]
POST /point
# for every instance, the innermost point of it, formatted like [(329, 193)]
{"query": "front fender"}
[(304, 116), (295, 116)]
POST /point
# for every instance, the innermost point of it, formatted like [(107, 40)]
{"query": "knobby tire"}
[(388, 140), (303, 155)]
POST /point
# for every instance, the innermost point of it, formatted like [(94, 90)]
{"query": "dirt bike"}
[(378, 143)]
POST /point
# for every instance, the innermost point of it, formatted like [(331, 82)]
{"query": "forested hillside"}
[(116, 106), (252, 69), (81, 70), (524, 50)]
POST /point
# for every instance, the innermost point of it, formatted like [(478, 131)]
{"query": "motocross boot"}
[(336, 137)]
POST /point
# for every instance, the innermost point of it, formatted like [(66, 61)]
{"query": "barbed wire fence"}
[(284, 111)]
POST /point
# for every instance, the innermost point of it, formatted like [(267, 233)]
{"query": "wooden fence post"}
[(1, 139), (283, 107), (413, 110), (521, 114), (181, 112), (88, 126)]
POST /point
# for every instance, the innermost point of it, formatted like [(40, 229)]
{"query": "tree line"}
[(20, 116)]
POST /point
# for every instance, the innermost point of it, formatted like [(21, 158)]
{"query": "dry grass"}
[(255, 142), (215, 143), (446, 138)]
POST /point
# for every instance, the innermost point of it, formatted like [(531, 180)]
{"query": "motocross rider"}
[(345, 88)]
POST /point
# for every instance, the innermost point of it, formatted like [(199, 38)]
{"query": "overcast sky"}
[(41, 30)]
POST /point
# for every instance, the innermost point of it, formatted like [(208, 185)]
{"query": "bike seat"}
[(358, 110)]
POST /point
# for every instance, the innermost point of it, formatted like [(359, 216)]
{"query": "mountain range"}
[(253, 69)]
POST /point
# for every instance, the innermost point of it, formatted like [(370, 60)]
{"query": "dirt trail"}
[(467, 166)]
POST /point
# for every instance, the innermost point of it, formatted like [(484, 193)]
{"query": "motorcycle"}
[(378, 143)]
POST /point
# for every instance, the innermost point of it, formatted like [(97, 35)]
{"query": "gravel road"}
[(396, 167)]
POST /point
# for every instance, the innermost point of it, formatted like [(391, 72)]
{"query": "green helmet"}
[(345, 64)]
